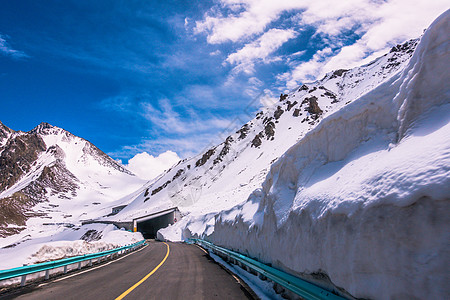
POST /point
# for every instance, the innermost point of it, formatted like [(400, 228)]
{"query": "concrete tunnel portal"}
[(150, 224)]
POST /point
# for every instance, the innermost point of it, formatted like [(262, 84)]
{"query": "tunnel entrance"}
[(149, 225)]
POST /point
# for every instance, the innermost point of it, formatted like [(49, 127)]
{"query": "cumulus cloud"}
[(6, 49), (245, 18), (148, 167), (375, 26)]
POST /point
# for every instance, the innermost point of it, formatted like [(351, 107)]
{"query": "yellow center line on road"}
[(146, 276)]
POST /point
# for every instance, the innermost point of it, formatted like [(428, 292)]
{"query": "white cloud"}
[(214, 53), (170, 121), (259, 50), (379, 25), (250, 17), (147, 166), (390, 23), (6, 49)]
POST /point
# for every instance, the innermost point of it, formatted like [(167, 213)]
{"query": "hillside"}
[(224, 175), (49, 176)]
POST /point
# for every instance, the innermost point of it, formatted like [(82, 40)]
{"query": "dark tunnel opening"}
[(150, 227)]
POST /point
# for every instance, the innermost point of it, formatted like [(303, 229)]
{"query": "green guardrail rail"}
[(25, 270), (298, 286)]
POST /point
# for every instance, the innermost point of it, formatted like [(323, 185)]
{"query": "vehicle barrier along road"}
[(294, 284), (47, 266)]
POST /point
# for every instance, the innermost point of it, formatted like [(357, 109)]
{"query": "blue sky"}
[(151, 76)]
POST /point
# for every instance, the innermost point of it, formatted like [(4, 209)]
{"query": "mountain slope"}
[(55, 177), (360, 204), (225, 174)]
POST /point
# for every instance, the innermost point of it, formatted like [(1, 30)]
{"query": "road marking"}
[(92, 269), (146, 276), (202, 249), (231, 273)]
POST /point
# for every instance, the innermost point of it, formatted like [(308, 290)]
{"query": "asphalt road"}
[(185, 272)]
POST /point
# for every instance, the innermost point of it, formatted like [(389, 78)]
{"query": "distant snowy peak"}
[(47, 162), (45, 128), (53, 135)]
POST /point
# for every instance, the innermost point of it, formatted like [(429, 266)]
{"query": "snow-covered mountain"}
[(225, 174), (49, 176)]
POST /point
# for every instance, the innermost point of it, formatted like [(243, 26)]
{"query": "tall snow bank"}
[(361, 203)]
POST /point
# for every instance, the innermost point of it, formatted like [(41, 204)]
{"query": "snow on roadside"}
[(67, 243)]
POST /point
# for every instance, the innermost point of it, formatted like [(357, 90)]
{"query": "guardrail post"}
[(79, 265), (90, 263), (65, 269), (24, 280), (47, 274)]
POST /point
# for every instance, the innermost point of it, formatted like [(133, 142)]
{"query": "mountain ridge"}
[(46, 162)]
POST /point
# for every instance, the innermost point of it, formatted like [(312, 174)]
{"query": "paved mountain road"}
[(185, 272)]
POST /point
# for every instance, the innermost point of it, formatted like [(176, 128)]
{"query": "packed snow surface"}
[(67, 242), (361, 202)]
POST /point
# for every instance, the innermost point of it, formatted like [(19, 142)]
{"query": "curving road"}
[(158, 271)]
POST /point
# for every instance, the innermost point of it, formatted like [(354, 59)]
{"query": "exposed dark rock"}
[(283, 97), (277, 114), (314, 108), (225, 150), (146, 193), (303, 88), (290, 105), (256, 142), (18, 155), (267, 120), (296, 112), (243, 132), (205, 157), (331, 95), (407, 47), (178, 174), (4, 132), (91, 235), (338, 73), (158, 189), (269, 130)]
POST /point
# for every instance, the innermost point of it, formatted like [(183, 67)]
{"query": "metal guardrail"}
[(47, 266), (296, 285)]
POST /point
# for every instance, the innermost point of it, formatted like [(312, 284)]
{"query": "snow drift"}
[(360, 204), (82, 240)]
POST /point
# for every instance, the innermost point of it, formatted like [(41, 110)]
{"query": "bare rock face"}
[(277, 114), (205, 157), (17, 156), (314, 108)]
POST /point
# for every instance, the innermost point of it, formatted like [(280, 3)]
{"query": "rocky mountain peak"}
[(5, 133), (42, 128)]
